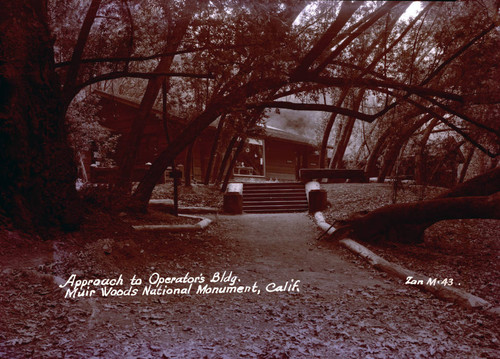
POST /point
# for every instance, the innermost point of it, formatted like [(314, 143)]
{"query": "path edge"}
[(201, 225), (447, 293)]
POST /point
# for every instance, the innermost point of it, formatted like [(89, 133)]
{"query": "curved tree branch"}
[(150, 57), (462, 116), (314, 107), (457, 53), (377, 84), (76, 57), (449, 124), (346, 11), (384, 9), (140, 75)]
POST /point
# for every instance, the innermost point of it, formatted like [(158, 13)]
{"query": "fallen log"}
[(407, 222)]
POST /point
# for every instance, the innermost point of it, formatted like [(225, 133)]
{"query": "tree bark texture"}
[(76, 57), (395, 149), (476, 198), (213, 151), (421, 170), (133, 140), (189, 166), (213, 110), (226, 157), (37, 179), (407, 222), (468, 159), (323, 154), (239, 148)]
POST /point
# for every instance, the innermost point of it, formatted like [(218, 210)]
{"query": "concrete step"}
[(276, 190), (274, 197), (276, 209), (273, 185), (269, 198)]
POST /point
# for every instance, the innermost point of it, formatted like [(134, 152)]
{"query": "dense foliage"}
[(381, 76)]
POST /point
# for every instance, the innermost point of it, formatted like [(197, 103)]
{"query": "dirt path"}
[(342, 309), (284, 246)]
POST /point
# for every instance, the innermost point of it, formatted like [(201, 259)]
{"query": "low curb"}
[(161, 203), (447, 293), (202, 224)]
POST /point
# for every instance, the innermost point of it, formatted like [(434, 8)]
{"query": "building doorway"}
[(251, 161)]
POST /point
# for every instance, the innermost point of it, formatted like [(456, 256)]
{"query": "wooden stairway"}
[(274, 197)]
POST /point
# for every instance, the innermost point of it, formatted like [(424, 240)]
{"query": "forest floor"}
[(466, 251), (339, 307)]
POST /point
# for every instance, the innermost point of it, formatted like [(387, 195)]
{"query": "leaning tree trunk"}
[(421, 168), (407, 222), (213, 151), (394, 151), (346, 135), (189, 166), (468, 159), (484, 185), (371, 164), (229, 171), (37, 181), (476, 198), (226, 157), (342, 145), (128, 155), (323, 154)]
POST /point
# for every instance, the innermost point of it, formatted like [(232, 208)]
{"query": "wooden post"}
[(176, 175)]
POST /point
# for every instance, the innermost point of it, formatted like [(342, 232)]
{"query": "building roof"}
[(270, 132), (277, 133)]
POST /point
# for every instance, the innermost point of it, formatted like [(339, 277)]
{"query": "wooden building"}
[(273, 155)]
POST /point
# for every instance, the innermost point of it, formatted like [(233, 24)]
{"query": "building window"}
[(251, 160)]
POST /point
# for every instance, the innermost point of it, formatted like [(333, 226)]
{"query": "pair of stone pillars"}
[(233, 199)]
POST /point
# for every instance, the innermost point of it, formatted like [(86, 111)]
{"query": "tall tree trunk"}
[(213, 151), (76, 57), (128, 156), (465, 167), (226, 157), (421, 169), (239, 148), (338, 138), (189, 166), (482, 185), (37, 179), (216, 166), (323, 154), (164, 114), (342, 145), (371, 164), (393, 153)]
